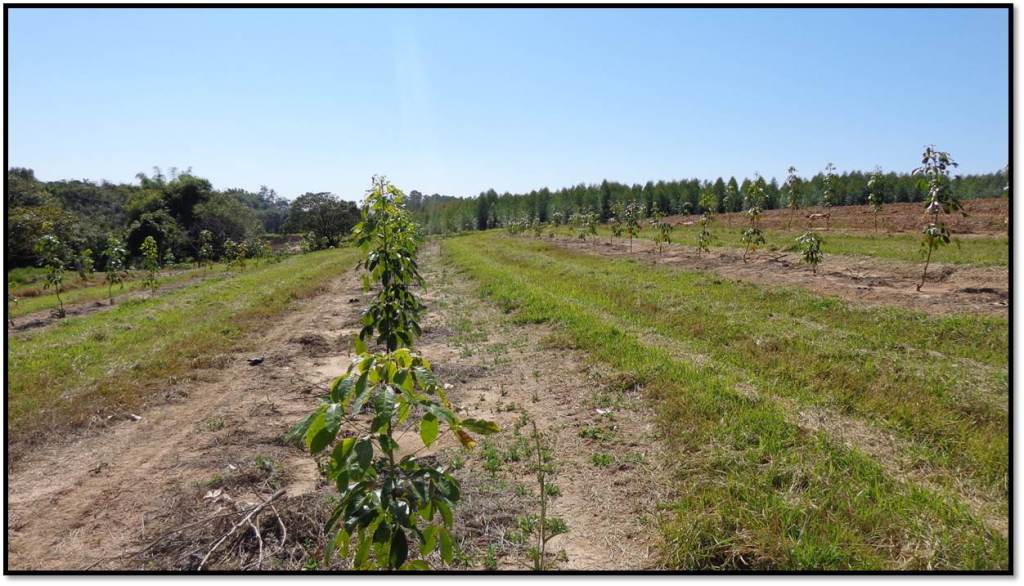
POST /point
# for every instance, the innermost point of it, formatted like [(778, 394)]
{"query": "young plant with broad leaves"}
[(557, 219), (631, 217), (150, 262), (708, 203), (875, 195), (615, 222), (753, 236), (169, 258), (537, 227), (828, 193), (730, 200), (809, 244), (84, 264), (794, 187), (662, 229), (52, 254), (116, 272), (204, 254), (394, 510), (934, 172), (543, 526)]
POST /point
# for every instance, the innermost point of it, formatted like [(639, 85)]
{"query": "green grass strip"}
[(755, 490), (62, 375)]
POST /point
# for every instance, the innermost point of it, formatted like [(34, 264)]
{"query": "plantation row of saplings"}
[(627, 219), (392, 511), (56, 258)]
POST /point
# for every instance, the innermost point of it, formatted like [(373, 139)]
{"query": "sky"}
[(457, 101)]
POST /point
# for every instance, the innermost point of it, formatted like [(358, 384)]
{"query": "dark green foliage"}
[(442, 214), (810, 247), (174, 210), (324, 214)]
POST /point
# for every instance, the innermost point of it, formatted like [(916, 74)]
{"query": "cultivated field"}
[(697, 412)]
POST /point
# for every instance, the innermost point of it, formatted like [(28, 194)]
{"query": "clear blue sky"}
[(458, 101)]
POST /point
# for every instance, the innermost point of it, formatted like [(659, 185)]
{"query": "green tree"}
[(52, 256), (793, 189), (934, 173), (150, 262), (875, 195), (328, 216), (828, 193), (116, 267)]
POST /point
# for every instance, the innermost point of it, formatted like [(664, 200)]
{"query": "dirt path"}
[(595, 423), (861, 280), (78, 502)]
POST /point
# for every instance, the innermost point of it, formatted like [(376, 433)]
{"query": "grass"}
[(32, 299), (112, 360), (983, 251), (755, 489)]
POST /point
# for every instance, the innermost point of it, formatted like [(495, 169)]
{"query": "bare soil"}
[(157, 489), (865, 281), (989, 216)]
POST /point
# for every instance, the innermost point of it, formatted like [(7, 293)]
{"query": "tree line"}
[(176, 210), (440, 214)]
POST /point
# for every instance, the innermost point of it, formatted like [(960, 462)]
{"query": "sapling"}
[(729, 201), (205, 253), (557, 219), (169, 258), (230, 253), (537, 227), (117, 265), (793, 188), (875, 195), (828, 193), (545, 528), (51, 252), (753, 236), (84, 264), (150, 262), (662, 229), (386, 501), (631, 218), (934, 172), (12, 302), (615, 222), (708, 203), (810, 247)]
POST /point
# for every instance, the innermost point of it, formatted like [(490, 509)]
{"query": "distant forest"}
[(174, 209), (444, 214)]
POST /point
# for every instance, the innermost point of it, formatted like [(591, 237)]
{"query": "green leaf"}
[(446, 545), (364, 453), (399, 549), (429, 429), (315, 426), (342, 450), (360, 346), (418, 565), (429, 540), (446, 511), (480, 426)]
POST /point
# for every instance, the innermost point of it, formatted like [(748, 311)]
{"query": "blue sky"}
[(458, 101)]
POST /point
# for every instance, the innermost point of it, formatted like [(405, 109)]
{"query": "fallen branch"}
[(246, 519)]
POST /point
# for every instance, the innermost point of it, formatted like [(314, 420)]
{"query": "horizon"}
[(461, 108)]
